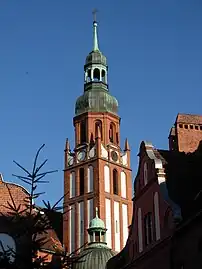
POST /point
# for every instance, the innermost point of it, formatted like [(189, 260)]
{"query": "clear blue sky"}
[(154, 51)]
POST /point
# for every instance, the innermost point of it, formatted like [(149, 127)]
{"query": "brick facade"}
[(175, 175), (98, 138)]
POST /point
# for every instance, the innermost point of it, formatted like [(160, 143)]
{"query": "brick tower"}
[(97, 172)]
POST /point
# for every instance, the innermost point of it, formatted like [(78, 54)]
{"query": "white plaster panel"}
[(81, 224), (72, 184), (90, 210), (125, 159), (117, 226), (108, 222), (72, 228), (123, 184), (91, 153), (107, 178), (125, 223), (104, 152), (90, 178)]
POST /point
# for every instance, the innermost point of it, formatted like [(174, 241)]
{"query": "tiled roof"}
[(189, 119), (52, 243)]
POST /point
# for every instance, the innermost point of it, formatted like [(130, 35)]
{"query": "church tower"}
[(97, 172)]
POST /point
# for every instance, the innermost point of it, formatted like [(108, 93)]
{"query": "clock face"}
[(114, 156), (70, 160), (81, 155)]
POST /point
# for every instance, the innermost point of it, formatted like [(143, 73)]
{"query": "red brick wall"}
[(188, 132), (17, 192)]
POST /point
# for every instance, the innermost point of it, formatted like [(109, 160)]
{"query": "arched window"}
[(115, 182), (117, 138), (148, 230), (103, 76), (96, 74), (88, 79), (111, 133), (98, 124), (82, 132), (81, 181)]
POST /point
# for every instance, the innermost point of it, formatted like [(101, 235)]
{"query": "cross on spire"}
[(94, 14)]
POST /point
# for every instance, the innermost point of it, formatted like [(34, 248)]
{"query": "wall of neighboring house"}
[(157, 258), (187, 244)]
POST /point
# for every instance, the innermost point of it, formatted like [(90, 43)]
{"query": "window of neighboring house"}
[(81, 181), (145, 173), (82, 131), (115, 182), (148, 230)]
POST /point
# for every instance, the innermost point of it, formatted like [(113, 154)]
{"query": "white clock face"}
[(70, 160), (81, 155)]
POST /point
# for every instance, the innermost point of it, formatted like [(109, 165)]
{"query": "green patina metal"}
[(97, 253), (96, 100), (97, 223)]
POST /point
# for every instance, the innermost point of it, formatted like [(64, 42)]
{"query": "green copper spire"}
[(95, 36), (96, 96)]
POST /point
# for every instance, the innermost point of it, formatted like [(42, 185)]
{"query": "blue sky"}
[(154, 51)]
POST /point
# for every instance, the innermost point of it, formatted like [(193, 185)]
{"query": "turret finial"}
[(96, 212), (67, 146), (95, 38), (126, 145)]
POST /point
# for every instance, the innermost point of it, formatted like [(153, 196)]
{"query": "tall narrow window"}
[(148, 231), (98, 124), (111, 133), (83, 131), (117, 138), (81, 181), (115, 182), (103, 76)]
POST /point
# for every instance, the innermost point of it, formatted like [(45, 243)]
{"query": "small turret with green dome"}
[(97, 253), (96, 96)]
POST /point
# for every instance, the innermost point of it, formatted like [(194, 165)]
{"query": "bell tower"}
[(97, 172)]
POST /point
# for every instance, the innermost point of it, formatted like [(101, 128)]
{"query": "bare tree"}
[(31, 226)]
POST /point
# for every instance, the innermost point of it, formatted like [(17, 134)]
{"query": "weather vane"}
[(94, 14)]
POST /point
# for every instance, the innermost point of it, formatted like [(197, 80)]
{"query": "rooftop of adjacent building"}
[(14, 193)]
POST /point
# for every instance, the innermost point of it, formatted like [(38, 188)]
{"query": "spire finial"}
[(95, 38), (96, 212), (94, 14)]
